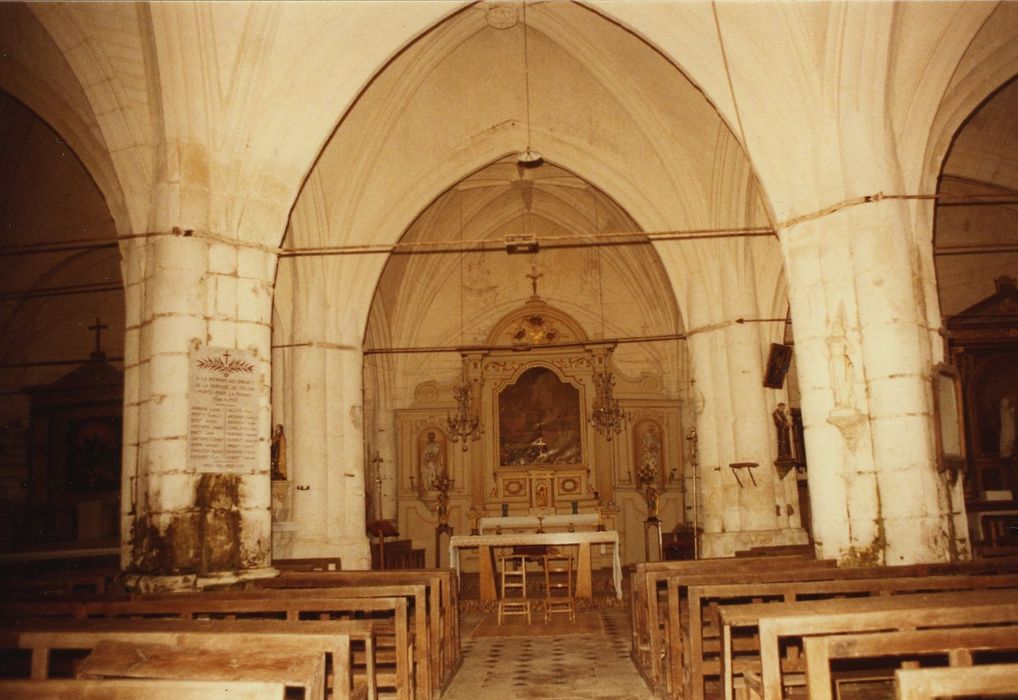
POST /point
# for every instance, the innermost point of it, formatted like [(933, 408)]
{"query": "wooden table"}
[(486, 544), (126, 660)]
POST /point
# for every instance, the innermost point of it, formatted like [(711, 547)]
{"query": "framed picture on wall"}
[(948, 424)]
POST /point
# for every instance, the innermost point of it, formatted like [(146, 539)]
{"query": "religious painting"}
[(778, 361), (93, 455), (949, 430), (431, 457), (994, 401), (539, 420)]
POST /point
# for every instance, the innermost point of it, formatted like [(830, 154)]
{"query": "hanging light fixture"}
[(465, 424), (529, 158), (606, 415)]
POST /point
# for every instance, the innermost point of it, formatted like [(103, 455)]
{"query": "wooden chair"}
[(514, 600), (558, 585)]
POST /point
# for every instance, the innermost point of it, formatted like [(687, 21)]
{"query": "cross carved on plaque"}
[(534, 275), (99, 327)]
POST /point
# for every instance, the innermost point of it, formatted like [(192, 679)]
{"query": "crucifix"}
[(99, 327), (534, 275)]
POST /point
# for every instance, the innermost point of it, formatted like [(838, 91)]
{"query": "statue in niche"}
[(277, 453), (783, 424), (1007, 426), (541, 496), (432, 461), (650, 450)]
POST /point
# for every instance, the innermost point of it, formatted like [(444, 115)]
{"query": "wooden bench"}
[(262, 662), (676, 583), (308, 564), (399, 554), (42, 637), (703, 601), (955, 645), (778, 621), (648, 625), (134, 689), (426, 666), (929, 683), (393, 611), (94, 582), (443, 605)]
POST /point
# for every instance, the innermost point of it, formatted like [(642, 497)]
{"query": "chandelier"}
[(606, 415), (465, 424)]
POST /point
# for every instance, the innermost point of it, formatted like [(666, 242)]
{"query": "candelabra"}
[(466, 423), (606, 415)]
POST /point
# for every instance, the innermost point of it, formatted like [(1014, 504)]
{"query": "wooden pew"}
[(42, 637), (92, 581), (955, 645), (443, 597), (308, 564), (292, 608), (647, 623), (261, 662), (133, 689), (777, 621), (399, 554), (929, 683), (676, 584), (703, 602), (415, 594)]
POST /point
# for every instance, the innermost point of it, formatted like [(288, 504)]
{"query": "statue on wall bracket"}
[(845, 416)]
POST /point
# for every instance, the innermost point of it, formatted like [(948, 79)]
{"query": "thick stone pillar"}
[(183, 528), (720, 282), (745, 507), (327, 449), (864, 360)]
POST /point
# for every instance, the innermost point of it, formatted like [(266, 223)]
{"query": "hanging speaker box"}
[(777, 365)]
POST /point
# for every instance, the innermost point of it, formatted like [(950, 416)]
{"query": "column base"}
[(354, 554), (726, 544), (145, 583)]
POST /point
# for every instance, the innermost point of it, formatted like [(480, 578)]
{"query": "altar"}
[(486, 544), (537, 523)]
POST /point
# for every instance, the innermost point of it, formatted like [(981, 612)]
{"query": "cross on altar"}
[(534, 275), (99, 327)]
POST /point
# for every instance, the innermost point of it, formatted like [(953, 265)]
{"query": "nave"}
[(557, 661)]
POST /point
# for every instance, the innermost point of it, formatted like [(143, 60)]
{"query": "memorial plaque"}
[(223, 426)]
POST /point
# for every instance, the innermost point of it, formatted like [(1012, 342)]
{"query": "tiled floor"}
[(561, 667)]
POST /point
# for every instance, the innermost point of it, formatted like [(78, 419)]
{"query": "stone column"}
[(864, 358), (746, 507), (327, 449), (718, 282), (182, 528)]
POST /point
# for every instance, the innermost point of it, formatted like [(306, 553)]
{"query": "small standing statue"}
[(443, 484), (277, 453), (650, 450), (432, 461), (783, 424)]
